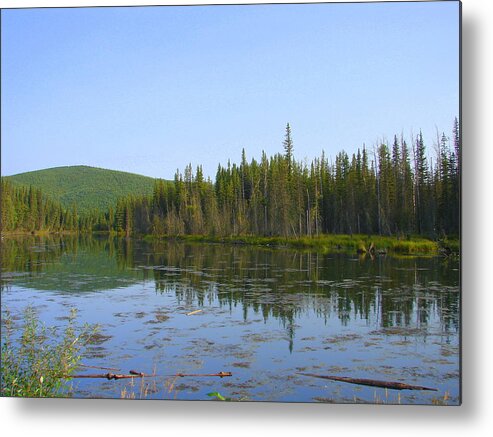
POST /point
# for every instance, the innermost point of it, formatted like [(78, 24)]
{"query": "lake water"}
[(266, 316)]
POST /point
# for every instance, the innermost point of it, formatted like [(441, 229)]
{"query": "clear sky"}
[(150, 89)]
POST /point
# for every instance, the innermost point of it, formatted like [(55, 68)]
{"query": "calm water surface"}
[(266, 316)]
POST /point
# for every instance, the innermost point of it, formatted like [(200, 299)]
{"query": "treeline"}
[(393, 189), (27, 209)]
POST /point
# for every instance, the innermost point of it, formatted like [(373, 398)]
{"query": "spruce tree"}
[(288, 148)]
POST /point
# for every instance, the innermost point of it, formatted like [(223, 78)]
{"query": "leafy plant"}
[(38, 362), (218, 396)]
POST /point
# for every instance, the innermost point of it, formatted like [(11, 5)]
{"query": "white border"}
[(152, 418)]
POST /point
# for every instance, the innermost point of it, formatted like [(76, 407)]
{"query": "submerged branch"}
[(98, 367), (371, 382)]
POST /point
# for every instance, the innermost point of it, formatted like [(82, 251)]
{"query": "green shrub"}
[(37, 363)]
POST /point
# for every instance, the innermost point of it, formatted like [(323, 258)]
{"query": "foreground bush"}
[(37, 361)]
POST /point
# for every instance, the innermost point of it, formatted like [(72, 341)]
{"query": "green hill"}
[(86, 187)]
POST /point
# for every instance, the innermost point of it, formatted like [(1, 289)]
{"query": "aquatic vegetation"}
[(218, 396), (330, 243)]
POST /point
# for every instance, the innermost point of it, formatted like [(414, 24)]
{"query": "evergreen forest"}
[(393, 189)]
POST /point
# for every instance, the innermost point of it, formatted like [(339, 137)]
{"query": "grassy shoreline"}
[(375, 244), (356, 243), (43, 233)]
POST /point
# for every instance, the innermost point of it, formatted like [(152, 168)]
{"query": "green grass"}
[(86, 187), (334, 243), (38, 362)]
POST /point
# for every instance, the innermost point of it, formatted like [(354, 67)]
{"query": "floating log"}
[(100, 375), (181, 375), (220, 374), (371, 382), (135, 374)]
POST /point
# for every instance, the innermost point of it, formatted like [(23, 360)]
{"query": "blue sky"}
[(148, 90)]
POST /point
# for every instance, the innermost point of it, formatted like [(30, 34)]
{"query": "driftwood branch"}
[(220, 374), (194, 312), (102, 375), (135, 374), (371, 382)]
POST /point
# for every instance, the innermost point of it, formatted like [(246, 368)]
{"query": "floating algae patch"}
[(97, 338), (191, 388), (401, 343), (308, 349), (151, 346), (242, 364), (95, 352), (263, 338), (448, 351), (397, 330), (160, 316), (441, 361), (342, 338)]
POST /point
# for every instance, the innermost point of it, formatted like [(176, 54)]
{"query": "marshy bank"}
[(329, 243)]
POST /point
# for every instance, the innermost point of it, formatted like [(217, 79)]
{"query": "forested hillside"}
[(87, 188)]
